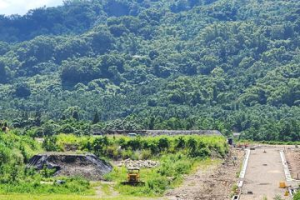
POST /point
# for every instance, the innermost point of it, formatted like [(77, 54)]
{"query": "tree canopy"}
[(179, 64)]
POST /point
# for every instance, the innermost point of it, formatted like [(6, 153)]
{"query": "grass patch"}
[(178, 156), (167, 176), (106, 189), (73, 185), (65, 197)]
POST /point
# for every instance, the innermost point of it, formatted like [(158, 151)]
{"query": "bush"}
[(183, 167), (113, 152), (135, 155), (158, 185), (126, 154), (163, 144), (50, 144), (146, 154), (66, 128), (203, 153), (134, 144), (180, 143)]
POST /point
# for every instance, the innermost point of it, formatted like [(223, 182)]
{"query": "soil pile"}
[(85, 165)]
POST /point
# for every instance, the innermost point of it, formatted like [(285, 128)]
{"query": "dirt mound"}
[(85, 165)]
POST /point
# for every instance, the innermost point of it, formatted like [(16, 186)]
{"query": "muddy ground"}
[(213, 183)]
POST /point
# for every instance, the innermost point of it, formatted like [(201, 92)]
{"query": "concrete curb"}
[(285, 167), (245, 164), (242, 174)]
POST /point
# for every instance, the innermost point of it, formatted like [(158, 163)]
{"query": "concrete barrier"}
[(245, 164), (285, 167)]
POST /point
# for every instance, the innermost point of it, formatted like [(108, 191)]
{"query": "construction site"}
[(245, 172), (262, 172), (266, 173), (248, 172)]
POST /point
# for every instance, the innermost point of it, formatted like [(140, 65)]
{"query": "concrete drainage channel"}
[(242, 174)]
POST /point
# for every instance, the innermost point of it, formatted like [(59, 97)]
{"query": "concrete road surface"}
[(264, 172)]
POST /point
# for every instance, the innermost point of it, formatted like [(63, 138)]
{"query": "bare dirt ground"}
[(213, 183), (263, 175), (104, 189), (293, 160)]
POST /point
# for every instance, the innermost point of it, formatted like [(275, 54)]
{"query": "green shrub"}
[(113, 152), (158, 185), (183, 167), (126, 154), (135, 155), (134, 144), (180, 143), (163, 144), (166, 169), (146, 154), (50, 144)]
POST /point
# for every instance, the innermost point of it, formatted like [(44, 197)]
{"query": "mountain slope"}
[(225, 64)]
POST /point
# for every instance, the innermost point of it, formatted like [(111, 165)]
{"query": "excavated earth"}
[(213, 183), (85, 165)]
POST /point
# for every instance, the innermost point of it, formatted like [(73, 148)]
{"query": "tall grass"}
[(178, 155), (123, 147), (15, 177), (168, 175)]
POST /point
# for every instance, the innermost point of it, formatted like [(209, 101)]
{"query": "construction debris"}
[(128, 163)]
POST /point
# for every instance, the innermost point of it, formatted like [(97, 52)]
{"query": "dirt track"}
[(214, 183), (293, 159), (264, 172)]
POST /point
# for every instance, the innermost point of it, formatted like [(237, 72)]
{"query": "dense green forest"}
[(146, 64)]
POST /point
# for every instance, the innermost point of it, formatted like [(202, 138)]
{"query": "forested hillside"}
[(231, 65)]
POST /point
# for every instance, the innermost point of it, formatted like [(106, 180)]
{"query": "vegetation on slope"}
[(226, 63), (15, 177)]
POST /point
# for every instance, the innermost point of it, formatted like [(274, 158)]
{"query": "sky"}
[(9, 7)]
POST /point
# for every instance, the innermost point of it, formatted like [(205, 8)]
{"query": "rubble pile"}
[(128, 163)]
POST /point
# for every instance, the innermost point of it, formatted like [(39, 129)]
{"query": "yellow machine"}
[(133, 177)]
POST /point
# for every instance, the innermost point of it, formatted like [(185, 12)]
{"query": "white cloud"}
[(21, 7)]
